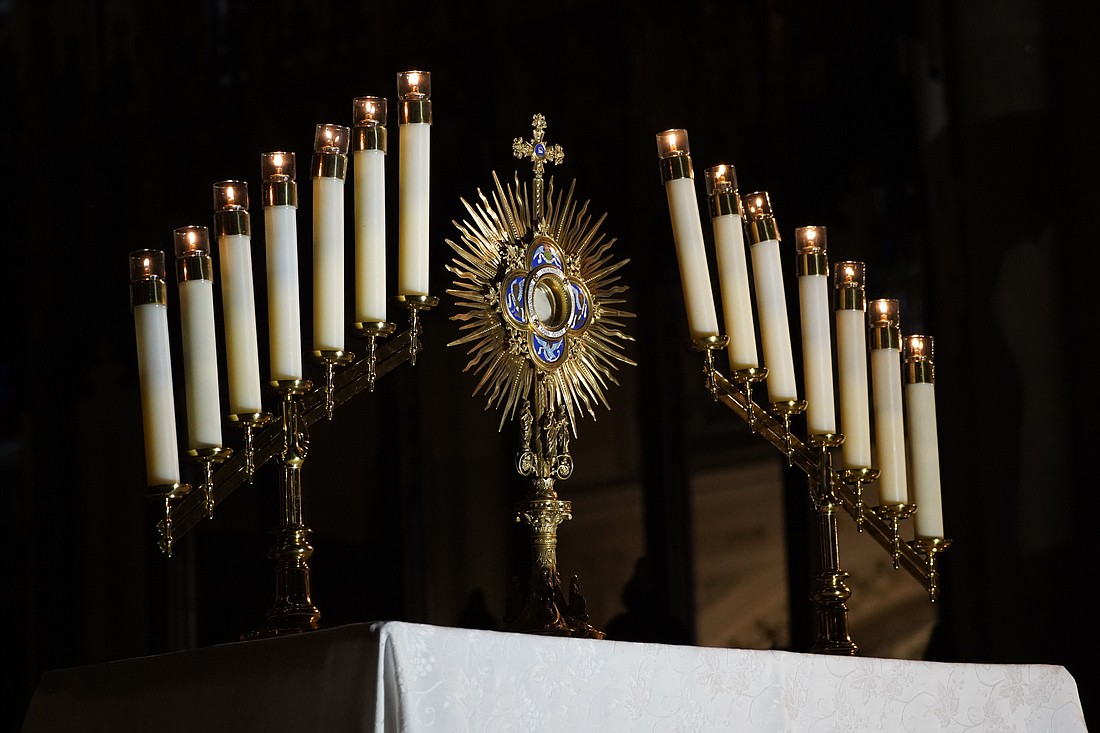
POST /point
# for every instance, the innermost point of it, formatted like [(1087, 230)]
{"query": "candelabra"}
[(537, 290), (282, 436), (735, 219)]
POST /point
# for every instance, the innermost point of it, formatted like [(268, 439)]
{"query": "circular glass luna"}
[(551, 301)]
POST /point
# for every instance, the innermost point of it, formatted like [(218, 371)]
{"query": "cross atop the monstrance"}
[(539, 153)]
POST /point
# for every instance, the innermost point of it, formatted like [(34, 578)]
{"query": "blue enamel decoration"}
[(545, 255), (578, 319), (549, 351), (513, 299)]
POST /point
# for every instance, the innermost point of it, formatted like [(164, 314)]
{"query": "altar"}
[(400, 676)]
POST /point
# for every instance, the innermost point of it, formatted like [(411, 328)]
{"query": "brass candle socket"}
[(748, 378), (930, 548), (167, 493), (786, 409), (415, 304), (249, 423), (858, 478), (708, 345), (329, 360), (207, 458), (893, 514), (371, 331)]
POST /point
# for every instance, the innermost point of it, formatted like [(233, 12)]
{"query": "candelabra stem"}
[(747, 378), (830, 592), (250, 423), (785, 410), (293, 610), (371, 331)]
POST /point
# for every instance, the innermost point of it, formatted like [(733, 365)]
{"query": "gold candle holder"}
[(892, 514), (747, 379), (416, 304), (786, 409), (208, 458), (931, 548), (249, 423), (330, 359), (708, 345), (858, 478), (371, 331), (168, 494)]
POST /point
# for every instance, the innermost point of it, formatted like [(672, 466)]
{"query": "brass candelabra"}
[(285, 438)]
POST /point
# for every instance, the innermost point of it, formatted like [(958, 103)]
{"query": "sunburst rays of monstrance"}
[(539, 297)]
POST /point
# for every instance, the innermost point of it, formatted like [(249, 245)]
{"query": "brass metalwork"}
[(371, 331), (208, 458), (830, 490), (330, 359), (539, 298), (249, 423), (167, 493)]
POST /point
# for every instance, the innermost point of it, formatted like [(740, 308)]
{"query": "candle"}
[(687, 232), (149, 303), (330, 165), (817, 344), (233, 228), (771, 299), (280, 196), (369, 166), (886, 392), (920, 423), (727, 220), (414, 90), (194, 273), (851, 357)]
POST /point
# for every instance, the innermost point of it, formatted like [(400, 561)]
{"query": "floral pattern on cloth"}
[(465, 680)]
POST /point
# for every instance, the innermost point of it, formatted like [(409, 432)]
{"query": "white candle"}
[(369, 190), (886, 393), (687, 232), (149, 302), (920, 423), (284, 325), (414, 91), (194, 271), (771, 299), (817, 340), (330, 162), (234, 232), (727, 221), (851, 353)]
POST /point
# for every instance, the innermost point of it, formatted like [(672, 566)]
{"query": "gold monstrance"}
[(538, 293)]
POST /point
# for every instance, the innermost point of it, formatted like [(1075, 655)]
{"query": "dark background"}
[(951, 146)]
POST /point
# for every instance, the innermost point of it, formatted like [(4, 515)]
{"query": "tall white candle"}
[(851, 353), (771, 299), (233, 227), (330, 165), (674, 155), (817, 340), (194, 271), (280, 194), (414, 140), (149, 302), (886, 392), (727, 221), (369, 191), (923, 445)]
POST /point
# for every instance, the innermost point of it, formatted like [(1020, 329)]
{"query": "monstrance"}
[(539, 296)]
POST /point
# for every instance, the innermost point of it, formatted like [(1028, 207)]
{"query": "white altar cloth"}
[(401, 677)]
